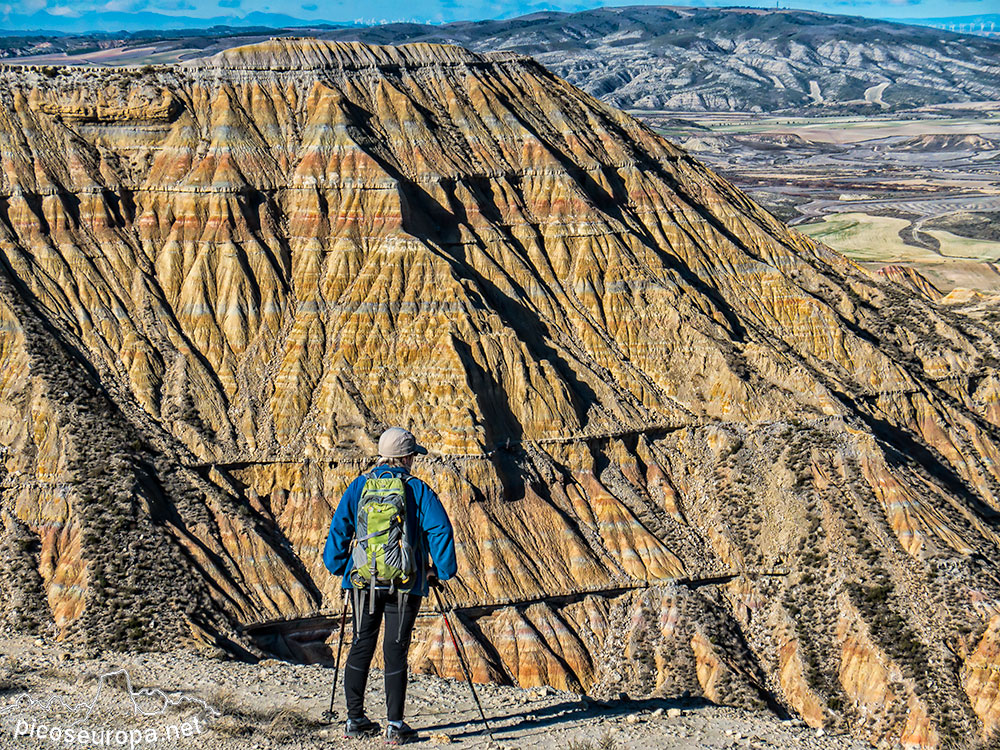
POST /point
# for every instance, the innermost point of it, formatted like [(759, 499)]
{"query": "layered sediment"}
[(684, 448)]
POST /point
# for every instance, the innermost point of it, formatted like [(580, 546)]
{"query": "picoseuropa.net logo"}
[(116, 716)]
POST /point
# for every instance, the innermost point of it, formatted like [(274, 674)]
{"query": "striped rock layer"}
[(684, 448)]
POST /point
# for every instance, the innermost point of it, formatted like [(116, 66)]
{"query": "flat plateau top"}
[(299, 53)]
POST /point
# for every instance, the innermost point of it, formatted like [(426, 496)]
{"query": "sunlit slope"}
[(220, 281)]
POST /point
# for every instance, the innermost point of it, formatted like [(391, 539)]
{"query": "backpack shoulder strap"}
[(376, 474), (369, 475)]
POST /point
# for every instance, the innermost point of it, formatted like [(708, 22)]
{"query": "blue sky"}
[(451, 10)]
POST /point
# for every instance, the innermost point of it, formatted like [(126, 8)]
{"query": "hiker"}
[(411, 551)]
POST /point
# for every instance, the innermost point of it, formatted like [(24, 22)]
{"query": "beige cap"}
[(397, 442)]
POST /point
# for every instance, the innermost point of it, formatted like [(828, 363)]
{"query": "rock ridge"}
[(283, 54), (636, 382)]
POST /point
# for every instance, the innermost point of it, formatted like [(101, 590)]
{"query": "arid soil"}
[(275, 704), (683, 447), (923, 190)]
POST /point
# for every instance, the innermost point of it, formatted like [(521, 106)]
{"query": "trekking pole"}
[(461, 660), (330, 714)]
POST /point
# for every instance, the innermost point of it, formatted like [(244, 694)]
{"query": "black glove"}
[(432, 578)]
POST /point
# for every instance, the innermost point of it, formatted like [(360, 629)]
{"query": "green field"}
[(867, 238), (965, 247), (875, 241)]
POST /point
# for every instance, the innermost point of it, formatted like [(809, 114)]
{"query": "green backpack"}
[(382, 554)]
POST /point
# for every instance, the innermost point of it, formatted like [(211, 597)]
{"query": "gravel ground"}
[(279, 705)]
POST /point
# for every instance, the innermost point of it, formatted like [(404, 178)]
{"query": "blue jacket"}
[(425, 515)]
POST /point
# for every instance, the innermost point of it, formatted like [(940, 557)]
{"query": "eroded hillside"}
[(652, 58), (684, 448)]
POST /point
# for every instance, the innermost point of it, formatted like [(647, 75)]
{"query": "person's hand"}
[(432, 578)]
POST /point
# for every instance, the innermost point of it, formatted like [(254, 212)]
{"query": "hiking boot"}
[(399, 734), (363, 727)]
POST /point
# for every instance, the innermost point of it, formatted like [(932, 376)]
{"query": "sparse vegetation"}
[(604, 742)]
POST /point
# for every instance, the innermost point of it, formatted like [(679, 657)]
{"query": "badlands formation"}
[(687, 451)]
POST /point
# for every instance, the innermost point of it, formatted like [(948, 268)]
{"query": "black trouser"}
[(398, 622)]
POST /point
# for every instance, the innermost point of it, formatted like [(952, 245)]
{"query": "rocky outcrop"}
[(684, 448), (910, 278)]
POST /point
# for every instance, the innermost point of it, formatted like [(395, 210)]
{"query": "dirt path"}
[(278, 705)]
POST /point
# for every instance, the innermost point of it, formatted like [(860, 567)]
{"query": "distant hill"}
[(654, 58), (42, 22), (650, 58)]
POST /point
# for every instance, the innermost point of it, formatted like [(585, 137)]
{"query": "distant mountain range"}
[(653, 58), (110, 22), (647, 58), (42, 22)]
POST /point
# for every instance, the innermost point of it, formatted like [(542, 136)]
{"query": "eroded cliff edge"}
[(220, 280)]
